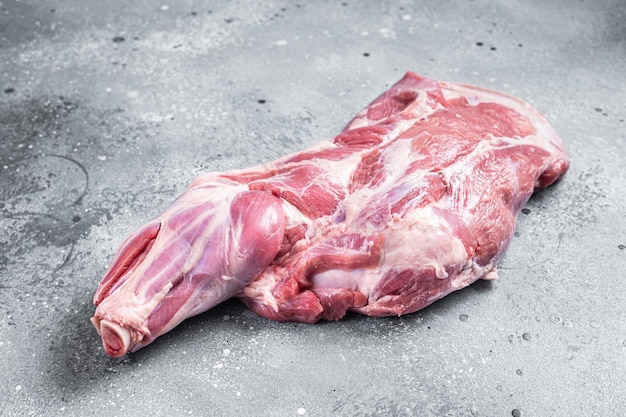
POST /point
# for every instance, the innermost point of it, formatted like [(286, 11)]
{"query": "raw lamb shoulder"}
[(417, 197)]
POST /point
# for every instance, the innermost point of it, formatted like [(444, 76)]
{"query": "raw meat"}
[(417, 197)]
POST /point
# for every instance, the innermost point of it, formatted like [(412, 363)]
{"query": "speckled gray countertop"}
[(109, 109)]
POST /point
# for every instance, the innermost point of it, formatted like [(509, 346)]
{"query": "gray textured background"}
[(109, 109)]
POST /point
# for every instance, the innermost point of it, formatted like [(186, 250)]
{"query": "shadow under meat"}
[(76, 362)]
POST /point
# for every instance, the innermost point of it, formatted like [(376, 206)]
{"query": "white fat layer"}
[(261, 288), (430, 239), (339, 171), (431, 244), (395, 162), (294, 217)]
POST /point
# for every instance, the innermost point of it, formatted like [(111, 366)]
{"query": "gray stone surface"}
[(109, 109)]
